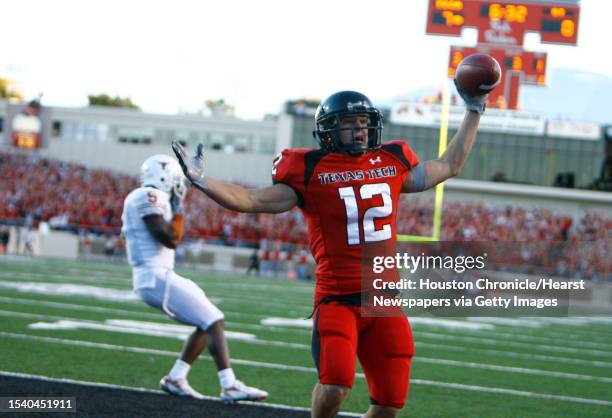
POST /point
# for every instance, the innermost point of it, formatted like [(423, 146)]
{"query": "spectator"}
[(5, 236), (289, 264), (82, 199), (265, 260), (30, 236), (275, 258), (302, 263), (253, 264), (109, 246)]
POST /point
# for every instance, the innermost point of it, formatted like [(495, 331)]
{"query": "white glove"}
[(176, 203), (193, 167), (472, 103)]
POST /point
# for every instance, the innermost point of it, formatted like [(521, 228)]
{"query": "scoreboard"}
[(506, 22), (518, 67), (531, 64), (501, 30)]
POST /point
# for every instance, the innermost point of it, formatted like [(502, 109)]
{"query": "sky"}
[(171, 56)]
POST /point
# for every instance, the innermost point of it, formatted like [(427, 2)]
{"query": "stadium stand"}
[(73, 197)]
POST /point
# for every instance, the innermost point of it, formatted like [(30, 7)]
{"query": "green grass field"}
[(52, 326)]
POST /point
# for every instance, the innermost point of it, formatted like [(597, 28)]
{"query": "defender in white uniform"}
[(153, 226)]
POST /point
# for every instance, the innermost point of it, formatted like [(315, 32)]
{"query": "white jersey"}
[(144, 252)]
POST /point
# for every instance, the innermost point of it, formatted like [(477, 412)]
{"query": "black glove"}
[(472, 103), (193, 167)]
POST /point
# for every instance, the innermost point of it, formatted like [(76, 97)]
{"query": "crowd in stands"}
[(70, 196), (65, 194), (541, 239)]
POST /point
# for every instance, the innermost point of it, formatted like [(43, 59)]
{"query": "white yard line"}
[(513, 322), (161, 330), (65, 289), (180, 332), (171, 330), (311, 369), (276, 324), (127, 295), (546, 335), (576, 333), (76, 307), (509, 369), (504, 336), (450, 323), (150, 315), (473, 337), (127, 280), (514, 354), (270, 324), (28, 315), (90, 277), (491, 341), (556, 359), (511, 392)]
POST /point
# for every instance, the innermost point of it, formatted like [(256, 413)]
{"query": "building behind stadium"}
[(512, 146)]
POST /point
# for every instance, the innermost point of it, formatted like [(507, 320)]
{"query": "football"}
[(478, 74)]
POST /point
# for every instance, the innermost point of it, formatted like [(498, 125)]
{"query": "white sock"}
[(180, 370), (226, 378)]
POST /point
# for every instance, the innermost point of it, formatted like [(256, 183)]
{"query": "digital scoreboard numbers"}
[(559, 25), (518, 67), (501, 30), (531, 64), (445, 17), (506, 22)]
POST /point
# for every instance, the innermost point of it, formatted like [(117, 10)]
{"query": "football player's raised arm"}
[(272, 199), (433, 172)]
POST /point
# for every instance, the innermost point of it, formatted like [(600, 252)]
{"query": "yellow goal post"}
[(438, 200)]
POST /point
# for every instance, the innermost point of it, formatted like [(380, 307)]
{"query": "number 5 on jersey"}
[(367, 191)]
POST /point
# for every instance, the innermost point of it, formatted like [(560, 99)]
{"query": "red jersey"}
[(348, 202)]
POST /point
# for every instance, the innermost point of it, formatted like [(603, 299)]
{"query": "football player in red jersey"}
[(348, 190)]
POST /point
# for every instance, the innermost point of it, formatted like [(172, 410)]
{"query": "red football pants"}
[(383, 345)]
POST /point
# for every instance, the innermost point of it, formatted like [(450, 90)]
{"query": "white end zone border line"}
[(278, 366), (147, 390)]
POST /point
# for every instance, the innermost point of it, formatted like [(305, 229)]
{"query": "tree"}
[(219, 107), (106, 100), (303, 106), (7, 91)]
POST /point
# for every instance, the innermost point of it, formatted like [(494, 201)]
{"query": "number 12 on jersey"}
[(367, 191)]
